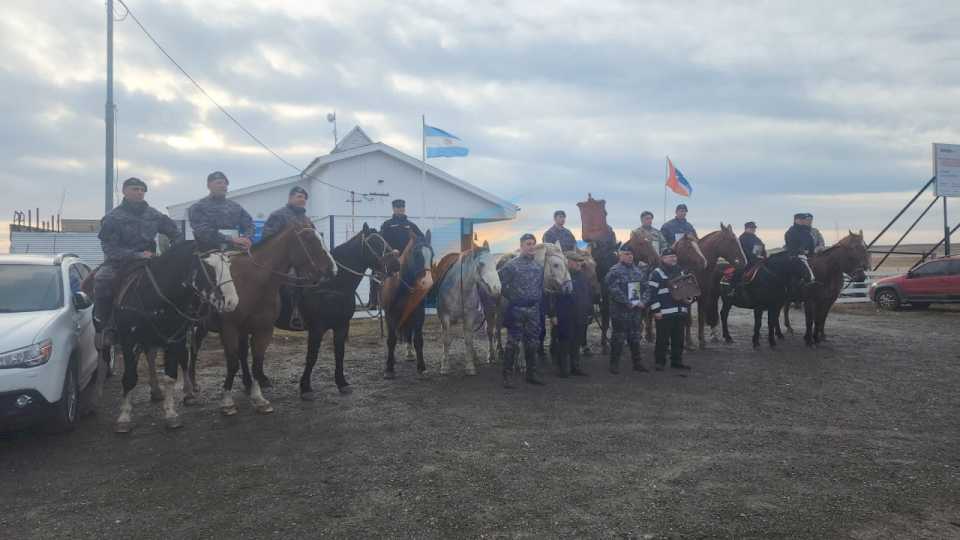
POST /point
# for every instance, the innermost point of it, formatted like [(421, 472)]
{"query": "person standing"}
[(127, 234), (396, 230), (670, 314), (215, 213), (569, 316), (674, 229), (522, 288), (625, 282), (559, 233), (651, 233), (294, 210)]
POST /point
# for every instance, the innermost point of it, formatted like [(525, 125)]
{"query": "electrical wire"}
[(233, 119)]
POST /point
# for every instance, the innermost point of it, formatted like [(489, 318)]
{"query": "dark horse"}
[(332, 304), (258, 275), (157, 303), (768, 291), (402, 297), (604, 253)]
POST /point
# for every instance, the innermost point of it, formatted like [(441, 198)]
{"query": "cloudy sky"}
[(768, 108)]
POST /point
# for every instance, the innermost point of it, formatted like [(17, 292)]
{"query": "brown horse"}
[(402, 296), (848, 256), (691, 259), (722, 243), (258, 275)]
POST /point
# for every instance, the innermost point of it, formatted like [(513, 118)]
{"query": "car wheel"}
[(68, 408), (888, 299)]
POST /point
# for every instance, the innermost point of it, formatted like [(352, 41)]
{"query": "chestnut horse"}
[(402, 296), (720, 243)]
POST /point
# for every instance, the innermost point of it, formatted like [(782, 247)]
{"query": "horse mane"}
[(306, 223)]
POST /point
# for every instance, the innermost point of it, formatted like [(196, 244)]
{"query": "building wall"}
[(84, 245)]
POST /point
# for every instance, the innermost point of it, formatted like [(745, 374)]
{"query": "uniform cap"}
[(681, 206), (134, 181), (298, 189), (559, 213), (800, 215), (750, 225), (399, 203), (668, 251), (625, 248), (217, 175), (528, 236)]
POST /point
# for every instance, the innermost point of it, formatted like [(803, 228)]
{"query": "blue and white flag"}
[(439, 143)]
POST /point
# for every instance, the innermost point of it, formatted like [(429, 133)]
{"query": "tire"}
[(888, 299), (67, 410)]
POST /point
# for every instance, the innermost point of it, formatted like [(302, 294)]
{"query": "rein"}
[(303, 283)]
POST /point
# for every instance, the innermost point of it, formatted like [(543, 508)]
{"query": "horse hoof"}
[(122, 427), (190, 401), (390, 375), (228, 411), (263, 408), (308, 396), (345, 390), (173, 422)]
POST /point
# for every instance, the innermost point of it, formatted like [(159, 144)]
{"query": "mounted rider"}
[(294, 210), (215, 214), (625, 282), (670, 314), (127, 234), (559, 233), (818, 242), (396, 230), (522, 287), (651, 233), (674, 229), (799, 239), (755, 251)]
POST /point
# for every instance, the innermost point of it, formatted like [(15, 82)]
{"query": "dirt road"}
[(856, 439)]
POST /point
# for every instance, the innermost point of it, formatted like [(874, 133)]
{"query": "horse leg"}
[(447, 337), (773, 325), (389, 372), (174, 357), (701, 311), (340, 335), (124, 421), (243, 352), (190, 368), (808, 308), (757, 322), (724, 313), (230, 339), (470, 351), (260, 342), (314, 340), (411, 354), (197, 341), (604, 327), (156, 394), (822, 310), (492, 351), (786, 317), (418, 346)]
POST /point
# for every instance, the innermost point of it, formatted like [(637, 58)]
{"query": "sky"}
[(768, 108)]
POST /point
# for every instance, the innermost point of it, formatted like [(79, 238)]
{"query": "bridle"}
[(366, 245), (295, 281)]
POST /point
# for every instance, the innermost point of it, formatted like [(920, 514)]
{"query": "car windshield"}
[(28, 287)]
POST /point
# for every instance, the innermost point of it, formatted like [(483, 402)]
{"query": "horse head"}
[(376, 253), (689, 254), (416, 262), (485, 264), (859, 256), (556, 275), (215, 282), (589, 269), (724, 243), (643, 250), (309, 253)]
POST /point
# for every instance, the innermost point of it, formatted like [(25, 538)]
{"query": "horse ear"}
[(861, 233), (366, 228), (486, 245), (427, 237), (851, 232)]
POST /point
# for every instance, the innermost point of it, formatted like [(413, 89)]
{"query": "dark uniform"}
[(560, 234), (573, 315), (522, 287), (280, 218), (396, 231), (674, 230), (211, 214), (799, 240), (125, 233), (624, 283), (674, 316), (753, 248)]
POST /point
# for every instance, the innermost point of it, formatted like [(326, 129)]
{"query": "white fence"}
[(857, 292)]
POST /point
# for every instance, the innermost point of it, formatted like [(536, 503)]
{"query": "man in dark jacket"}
[(752, 245), (674, 229), (396, 230), (559, 233), (569, 315), (670, 315), (215, 213), (127, 234), (799, 239), (522, 288), (624, 283), (295, 210)]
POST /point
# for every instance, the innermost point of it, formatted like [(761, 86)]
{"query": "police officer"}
[(798, 239), (295, 210), (127, 234), (674, 229), (648, 231), (752, 245), (522, 287), (670, 315), (559, 233), (818, 243), (215, 212), (569, 316), (625, 283), (396, 230)]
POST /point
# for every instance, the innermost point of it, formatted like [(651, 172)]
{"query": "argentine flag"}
[(439, 143)]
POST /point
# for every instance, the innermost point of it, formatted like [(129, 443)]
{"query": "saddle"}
[(751, 272), (684, 288), (289, 317)]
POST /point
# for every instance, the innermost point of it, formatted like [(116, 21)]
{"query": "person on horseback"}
[(215, 213), (624, 282), (674, 229), (569, 316), (294, 210), (127, 234), (396, 230), (559, 233), (818, 243), (670, 314), (755, 251), (651, 233), (798, 238), (522, 287)]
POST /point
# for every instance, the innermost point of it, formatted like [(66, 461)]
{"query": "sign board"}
[(946, 167)]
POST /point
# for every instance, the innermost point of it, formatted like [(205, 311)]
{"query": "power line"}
[(218, 106)]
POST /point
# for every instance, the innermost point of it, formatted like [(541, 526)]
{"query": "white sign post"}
[(946, 167)]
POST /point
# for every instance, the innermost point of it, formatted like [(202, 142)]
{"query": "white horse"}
[(471, 277)]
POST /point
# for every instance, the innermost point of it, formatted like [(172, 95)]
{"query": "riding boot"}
[(635, 356), (564, 351), (575, 361), (509, 358), (103, 322), (615, 349), (533, 375)]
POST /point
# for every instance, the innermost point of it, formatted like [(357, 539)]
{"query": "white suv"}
[(47, 357)]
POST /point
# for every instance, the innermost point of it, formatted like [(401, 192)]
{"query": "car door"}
[(925, 280), (83, 325), (952, 281)]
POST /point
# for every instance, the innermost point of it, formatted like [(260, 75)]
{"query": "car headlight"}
[(32, 356)]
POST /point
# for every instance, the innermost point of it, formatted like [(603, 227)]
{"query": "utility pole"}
[(353, 200), (109, 117)]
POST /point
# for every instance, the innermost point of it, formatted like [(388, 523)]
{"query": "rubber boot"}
[(615, 348), (533, 375), (509, 360), (575, 362), (103, 323), (635, 356), (563, 359)]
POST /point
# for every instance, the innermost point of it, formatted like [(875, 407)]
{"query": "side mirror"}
[(81, 300)]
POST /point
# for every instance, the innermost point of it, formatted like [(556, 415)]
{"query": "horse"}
[(848, 256), (469, 279), (768, 290), (604, 252), (258, 274), (720, 243), (402, 296), (691, 258), (158, 301), (331, 305)]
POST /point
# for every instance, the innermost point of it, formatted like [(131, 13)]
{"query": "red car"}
[(934, 282)]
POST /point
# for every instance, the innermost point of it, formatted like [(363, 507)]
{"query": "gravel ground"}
[(855, 439)]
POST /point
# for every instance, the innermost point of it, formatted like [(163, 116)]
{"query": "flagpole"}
[(423, 168), (666, 167)]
